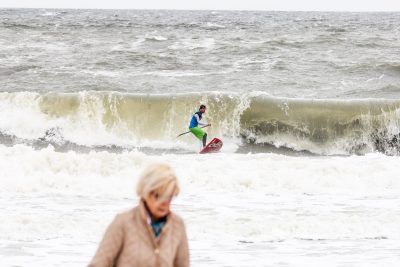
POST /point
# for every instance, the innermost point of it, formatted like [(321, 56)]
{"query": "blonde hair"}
[(158, 178)]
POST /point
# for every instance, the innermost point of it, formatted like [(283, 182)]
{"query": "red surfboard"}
[(213, 147)]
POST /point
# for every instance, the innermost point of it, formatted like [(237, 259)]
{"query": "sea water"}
[(307, 105)]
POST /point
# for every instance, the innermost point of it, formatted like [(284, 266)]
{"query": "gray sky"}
[(290, 5)]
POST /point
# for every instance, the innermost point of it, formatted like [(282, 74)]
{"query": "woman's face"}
[(158, 205)]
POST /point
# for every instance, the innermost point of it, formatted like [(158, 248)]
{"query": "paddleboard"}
[(212, 147)]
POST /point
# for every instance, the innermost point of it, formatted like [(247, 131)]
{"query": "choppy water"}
[(307, 105), (313, 55)]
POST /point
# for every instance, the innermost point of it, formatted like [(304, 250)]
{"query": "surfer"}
[(194, 125)]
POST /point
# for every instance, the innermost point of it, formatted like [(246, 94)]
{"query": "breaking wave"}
[(255, 122)]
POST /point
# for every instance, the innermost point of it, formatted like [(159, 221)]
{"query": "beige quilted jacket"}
[(130, 242)]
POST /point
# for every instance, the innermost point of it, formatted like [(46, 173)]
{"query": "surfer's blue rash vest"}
[(193, 121)]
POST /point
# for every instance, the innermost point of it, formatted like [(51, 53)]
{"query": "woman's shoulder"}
[(178, 226), (176, 219), (127, 215)]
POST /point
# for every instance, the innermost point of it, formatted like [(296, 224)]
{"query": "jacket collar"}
[(145, 220)]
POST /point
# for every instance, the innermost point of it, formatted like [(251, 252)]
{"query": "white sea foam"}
[(213, 26), (50, 14), (20, 115), (104, 73), (230, 202), (190, 44), (164, 73), (155, 37)]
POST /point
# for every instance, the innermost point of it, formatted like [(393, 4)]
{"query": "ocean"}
[(306, 103)]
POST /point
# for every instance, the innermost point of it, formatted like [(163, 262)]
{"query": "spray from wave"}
[(255, 122)]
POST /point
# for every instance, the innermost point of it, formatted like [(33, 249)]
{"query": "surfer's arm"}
[(110, 246), (199, 121)]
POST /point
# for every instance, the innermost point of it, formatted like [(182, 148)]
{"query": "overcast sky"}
[(290, 5)]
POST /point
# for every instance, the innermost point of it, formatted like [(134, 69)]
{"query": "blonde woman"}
[(149, 234)]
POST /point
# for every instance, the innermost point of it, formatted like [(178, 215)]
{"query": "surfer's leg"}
[(198, 132), (204, 139)]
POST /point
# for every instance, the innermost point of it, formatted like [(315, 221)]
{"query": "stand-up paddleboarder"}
[(195, 122)]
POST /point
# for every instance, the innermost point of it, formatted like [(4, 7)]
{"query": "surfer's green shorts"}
[(198, 132)]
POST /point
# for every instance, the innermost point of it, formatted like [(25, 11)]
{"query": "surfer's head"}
[(156, 187), (202, 108)]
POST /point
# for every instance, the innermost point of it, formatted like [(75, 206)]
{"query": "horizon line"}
[(178, 9)]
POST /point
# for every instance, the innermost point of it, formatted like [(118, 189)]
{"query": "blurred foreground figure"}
[(149, 234)]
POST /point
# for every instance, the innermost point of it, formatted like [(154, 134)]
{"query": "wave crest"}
[(126, 120)]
